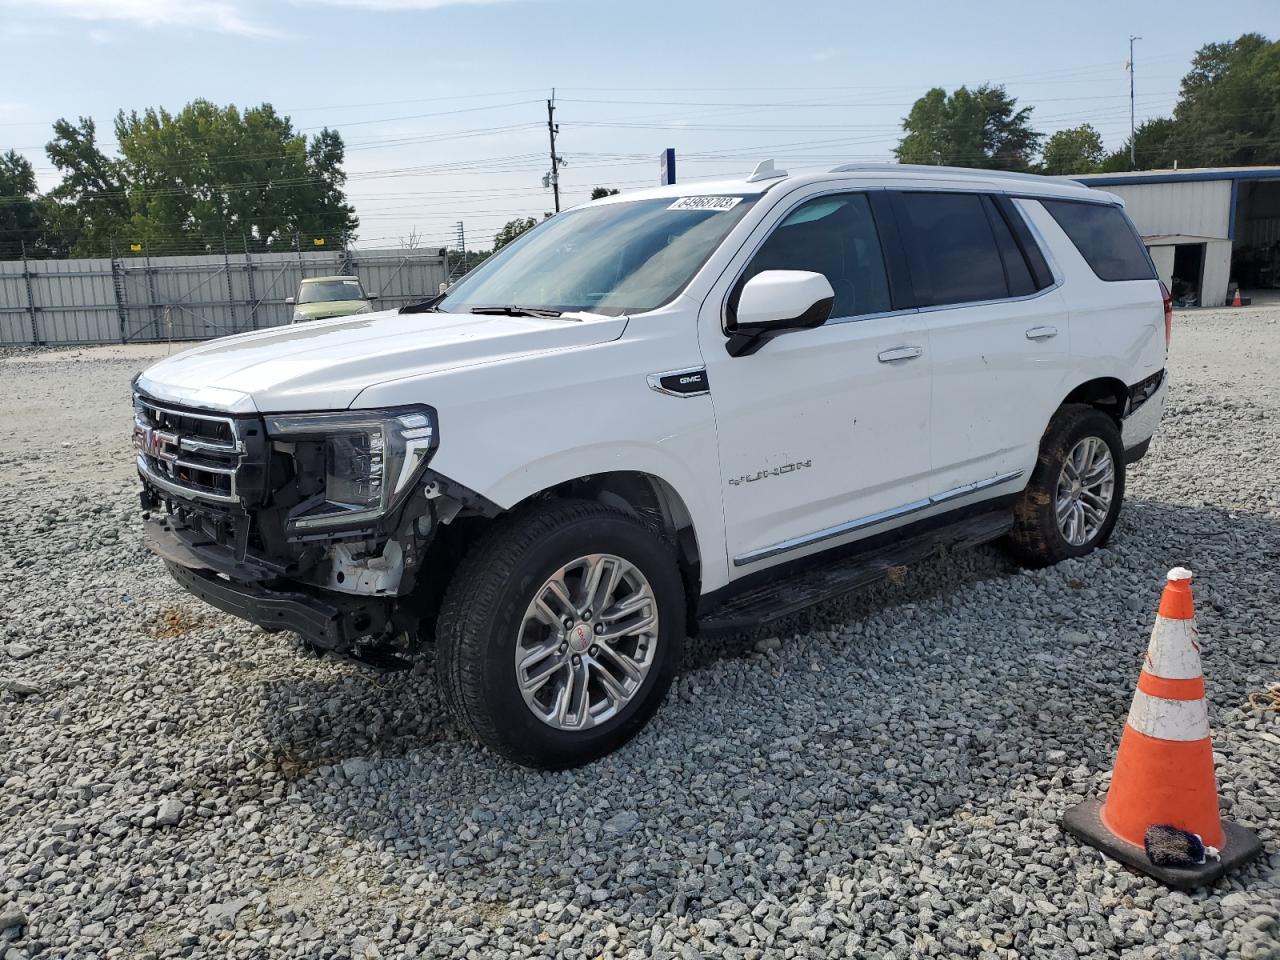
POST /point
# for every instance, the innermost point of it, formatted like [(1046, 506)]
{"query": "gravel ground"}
[(881, 777)]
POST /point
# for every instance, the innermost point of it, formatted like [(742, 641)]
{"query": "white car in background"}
[(659, 414)]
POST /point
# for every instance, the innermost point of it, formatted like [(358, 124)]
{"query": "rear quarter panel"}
[(1116, 327)]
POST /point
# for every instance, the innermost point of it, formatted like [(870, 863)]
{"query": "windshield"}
[(326, 291), (613, 259)]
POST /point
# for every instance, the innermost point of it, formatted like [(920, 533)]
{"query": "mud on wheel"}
[(1072, 502), (560, 633)]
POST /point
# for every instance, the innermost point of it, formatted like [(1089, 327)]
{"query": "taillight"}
[(1167, 297)]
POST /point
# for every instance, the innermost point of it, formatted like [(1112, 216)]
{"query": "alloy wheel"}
[(1086, 487), (586, 642)]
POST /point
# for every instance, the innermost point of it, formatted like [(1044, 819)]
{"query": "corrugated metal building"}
[(1207, 229)]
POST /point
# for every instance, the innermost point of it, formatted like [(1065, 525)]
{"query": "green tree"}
[(20, 219), (89, 206), (1156, 145), (599, 193), (1228, 110), (210, 171), (970, 128), (512, 229), (1074, 150), (183, 182)]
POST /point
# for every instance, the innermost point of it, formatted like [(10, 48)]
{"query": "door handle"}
[(1042, 333), (899, 353)]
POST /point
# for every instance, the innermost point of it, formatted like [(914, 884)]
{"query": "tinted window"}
[(951, 248), (835, 236), (1016, 273), (1105, 238), (1040, 271)]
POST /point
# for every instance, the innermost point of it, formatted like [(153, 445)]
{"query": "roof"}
[(1186, 175), (872, 174), (339, 276)]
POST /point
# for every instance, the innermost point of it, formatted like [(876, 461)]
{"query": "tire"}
[(488, 615), (1037, 539)]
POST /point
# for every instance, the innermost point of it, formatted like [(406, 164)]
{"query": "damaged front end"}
[(319, 523)]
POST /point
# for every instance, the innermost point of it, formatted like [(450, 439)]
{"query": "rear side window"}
[(1016, 272), (1104, 237), (951, 248)]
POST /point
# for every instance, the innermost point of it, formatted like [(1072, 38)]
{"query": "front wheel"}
[(1072, 502), (560, 633)]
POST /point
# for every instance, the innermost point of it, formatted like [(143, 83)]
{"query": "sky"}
[(442, 103)]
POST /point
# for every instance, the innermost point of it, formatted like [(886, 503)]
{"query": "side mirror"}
[(371, 296), (288, 301), (776, 301)]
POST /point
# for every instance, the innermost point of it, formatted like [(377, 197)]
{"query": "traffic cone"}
[(1236, 301), (1163, 785)]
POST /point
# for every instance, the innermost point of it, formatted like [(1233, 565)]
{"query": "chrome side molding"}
[(829, 533)]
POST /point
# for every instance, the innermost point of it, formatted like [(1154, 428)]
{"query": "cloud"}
[(217, 16)]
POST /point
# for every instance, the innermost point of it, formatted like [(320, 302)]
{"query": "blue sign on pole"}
[(667, 166)]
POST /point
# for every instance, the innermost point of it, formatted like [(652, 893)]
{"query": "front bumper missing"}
[(338, 624)]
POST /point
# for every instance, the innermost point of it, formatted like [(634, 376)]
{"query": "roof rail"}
[(929, 168)]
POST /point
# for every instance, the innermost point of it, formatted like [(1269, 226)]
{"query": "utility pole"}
[(460, 267), (552, 130), (1133, 146)]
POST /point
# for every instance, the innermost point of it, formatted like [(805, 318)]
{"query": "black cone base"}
[(1084, 821)]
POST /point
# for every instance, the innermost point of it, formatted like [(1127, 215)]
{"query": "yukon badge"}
[(772, 472)]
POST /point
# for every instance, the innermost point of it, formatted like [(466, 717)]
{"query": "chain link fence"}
[(143, 299)]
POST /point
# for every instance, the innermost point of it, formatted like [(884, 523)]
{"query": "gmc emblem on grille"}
[(158, 444)]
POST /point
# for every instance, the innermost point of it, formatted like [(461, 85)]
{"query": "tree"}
[(89, 206), (1074, 150), (512, 229), (1156, 145), (20, 219), (599, 193), (184, 182), (1228, 110), (210, 171), (1227, 114), (971, 128)]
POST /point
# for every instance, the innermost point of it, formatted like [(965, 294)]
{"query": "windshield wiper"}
[(516, 311), (425, 306)]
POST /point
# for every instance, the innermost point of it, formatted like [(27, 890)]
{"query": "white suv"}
[(679, 410)]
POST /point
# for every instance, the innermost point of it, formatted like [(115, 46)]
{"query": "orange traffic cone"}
[(1163, 785), (1236, 301)]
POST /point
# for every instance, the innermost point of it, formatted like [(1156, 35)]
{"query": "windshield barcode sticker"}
[(705, 203)]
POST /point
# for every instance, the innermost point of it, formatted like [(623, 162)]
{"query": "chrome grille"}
[(185, 453)]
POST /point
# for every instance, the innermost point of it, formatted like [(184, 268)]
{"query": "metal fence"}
[(139, 299)]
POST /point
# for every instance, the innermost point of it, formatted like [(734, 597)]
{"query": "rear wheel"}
[(560, 633), (1072, 502)]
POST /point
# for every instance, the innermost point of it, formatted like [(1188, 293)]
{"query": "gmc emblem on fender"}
[(680, 383)]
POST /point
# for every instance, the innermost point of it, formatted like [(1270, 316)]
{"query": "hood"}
[(325, 364), (330, 308)]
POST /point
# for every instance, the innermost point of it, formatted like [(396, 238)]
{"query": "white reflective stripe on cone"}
[(1169, 719), (1174, 650)]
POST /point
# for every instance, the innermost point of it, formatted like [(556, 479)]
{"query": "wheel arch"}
[(1108, 394), (649, 498)]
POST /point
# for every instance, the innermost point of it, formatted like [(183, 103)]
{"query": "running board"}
[(819, 580)]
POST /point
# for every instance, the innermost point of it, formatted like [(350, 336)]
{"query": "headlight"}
[(298, 316), (370, 458)]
